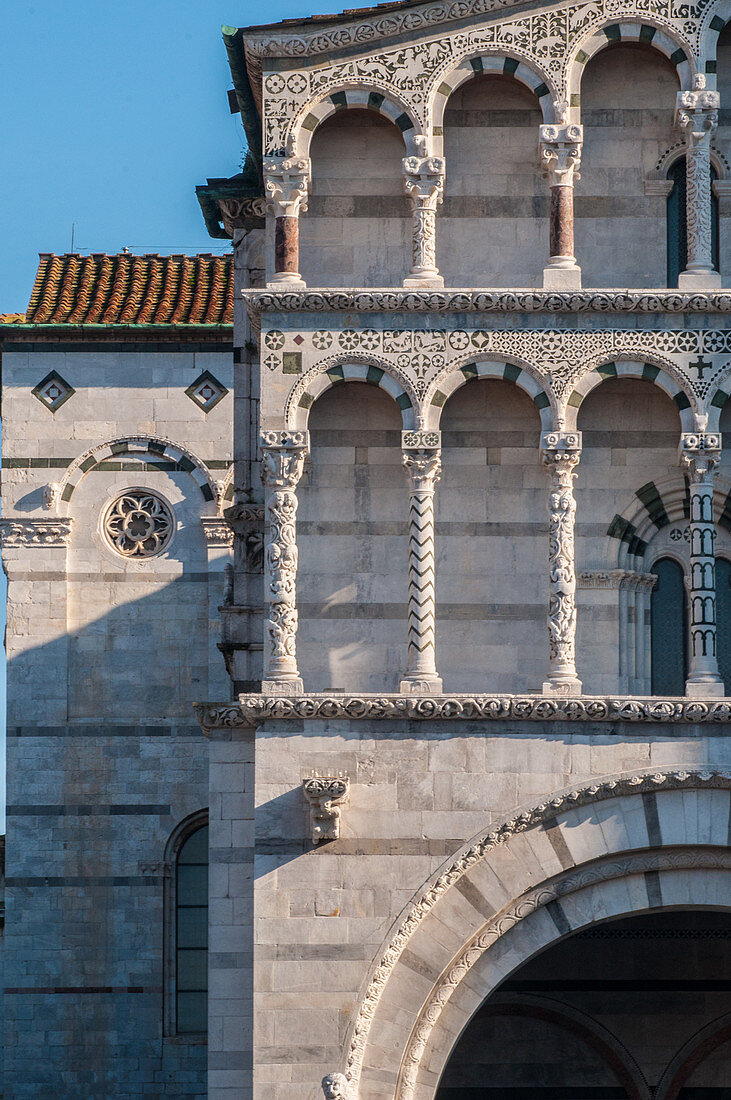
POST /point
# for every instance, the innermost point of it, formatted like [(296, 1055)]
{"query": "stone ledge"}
[(252, 710), (521, 300)]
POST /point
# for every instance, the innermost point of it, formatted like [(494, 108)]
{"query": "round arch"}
[(500, 63), (61, 493), (365, 98), (717, 399), (715, 20), (348, 368), (699, 1047), (520, 374), (660, 38), (646, 371), (617, 846)]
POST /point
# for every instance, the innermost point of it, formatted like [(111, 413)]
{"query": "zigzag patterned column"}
[(560, 454), (422, 460), (282, 459), (699, 455)]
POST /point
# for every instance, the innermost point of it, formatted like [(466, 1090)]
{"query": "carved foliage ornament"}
[(35, 532), (286, 180), (561, 154)]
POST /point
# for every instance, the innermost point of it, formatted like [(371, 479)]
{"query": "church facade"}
[(462, 775)]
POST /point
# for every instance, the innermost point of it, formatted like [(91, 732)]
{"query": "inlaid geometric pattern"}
[(53, 390), (206, 391)]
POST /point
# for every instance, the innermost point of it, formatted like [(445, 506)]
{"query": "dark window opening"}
[(669, 629), (191, 935)]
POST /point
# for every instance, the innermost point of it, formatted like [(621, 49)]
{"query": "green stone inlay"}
[(582, 57), (87, 463), (439, 398), (375, 99), (681, 400), (541, 90), (469, 370), (68, 492), (511, 64), (614, 34), (607, 370), (647, 33), (311, 122), (292, 362), (335, 374), (719, 399), (339, 99), (678, 57), (710, 66), (575, 99), (404, 401), (404, 122), (185, 464), (207, 492), (541, 401), (511, 373), (374, 376), (576, 399), (649, 373), (717, 24), (438, 131), (476, 63), (444, 89), (306, 401), (119, 448), (156, 447), (650, 497), (229, 494)]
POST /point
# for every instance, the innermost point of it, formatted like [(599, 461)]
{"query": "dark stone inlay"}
[(477, 900), (84, 881), (653, 887), (649, 804), (82, 810), (419, 966), (558, 917), (555, 836)]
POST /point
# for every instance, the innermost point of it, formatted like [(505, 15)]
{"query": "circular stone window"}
[(138, 524)]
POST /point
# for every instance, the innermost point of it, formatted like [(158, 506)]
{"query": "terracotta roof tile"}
[(132, 290)]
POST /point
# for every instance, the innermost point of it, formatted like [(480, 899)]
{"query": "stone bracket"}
[(326, 795)]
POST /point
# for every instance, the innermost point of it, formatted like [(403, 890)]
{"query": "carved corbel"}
[(424, 186), (326, 794), (286, 182)]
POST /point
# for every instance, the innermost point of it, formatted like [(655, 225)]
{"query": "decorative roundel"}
[(138, 524)]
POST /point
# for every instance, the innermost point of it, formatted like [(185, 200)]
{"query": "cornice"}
[(398, 300), (252, 710)]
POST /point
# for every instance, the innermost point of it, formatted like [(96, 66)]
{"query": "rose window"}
[(138, 524)]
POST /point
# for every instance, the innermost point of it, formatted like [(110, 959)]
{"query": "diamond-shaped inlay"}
[(53, 390), (206, 391)]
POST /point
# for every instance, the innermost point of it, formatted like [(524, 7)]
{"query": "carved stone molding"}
[(286, 181), (326, 794), (400, 300), (242, 213), (35, 532), (617, 578), (255, 709), (217, 531)]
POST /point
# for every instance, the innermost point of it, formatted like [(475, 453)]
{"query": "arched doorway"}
[(602, 1014)]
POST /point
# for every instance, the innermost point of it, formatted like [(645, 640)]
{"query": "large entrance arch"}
[(616, 847)]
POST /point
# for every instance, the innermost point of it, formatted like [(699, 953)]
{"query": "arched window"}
[(191, 934), (723, 620), (669, 629), (677, 228)]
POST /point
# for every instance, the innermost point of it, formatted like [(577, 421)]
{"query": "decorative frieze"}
[(560, 454), (35, 532), (283, 455), (616, 579), (217, 531), (326, 794), (696, 116), (422, 461), (242, 213), (700, 453), (424, 186)]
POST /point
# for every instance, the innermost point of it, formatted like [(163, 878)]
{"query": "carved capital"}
[(560, 454), (561, 153), (326, 794), (699, 454), (286, 182), (424, 180), (282, 457), (696, 116), (422, 458)]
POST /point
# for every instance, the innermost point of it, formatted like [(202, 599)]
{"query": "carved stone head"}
[(335, 1086)]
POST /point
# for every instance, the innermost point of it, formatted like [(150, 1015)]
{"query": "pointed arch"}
[(521, 374), (349, 368), (644, 32), (135, 447), (646, 371), (497, 63), (612, 848), (348, 97)]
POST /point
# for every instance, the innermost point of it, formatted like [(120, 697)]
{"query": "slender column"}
[(696, 116), (286, 180), (424, 185), (699, 456), (422, 460), (561, 160), (283, 456), (560, 454)]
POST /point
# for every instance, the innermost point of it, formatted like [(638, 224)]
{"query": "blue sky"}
[(111, 114)]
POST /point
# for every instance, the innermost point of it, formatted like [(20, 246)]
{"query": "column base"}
[(424, 281), (713, 689), (282, 687), (699, 280), (290, 278), (562, 687), (562, 278), (424, 686)]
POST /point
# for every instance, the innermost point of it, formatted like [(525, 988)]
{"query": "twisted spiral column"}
[(560, 454), (699, 456), (283, 455), (422, 461)]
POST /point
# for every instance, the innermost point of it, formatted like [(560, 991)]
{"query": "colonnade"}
[(287, 180), (283, 456)]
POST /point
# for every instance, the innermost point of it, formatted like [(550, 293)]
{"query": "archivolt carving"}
[(477, 850), (569, 883)]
